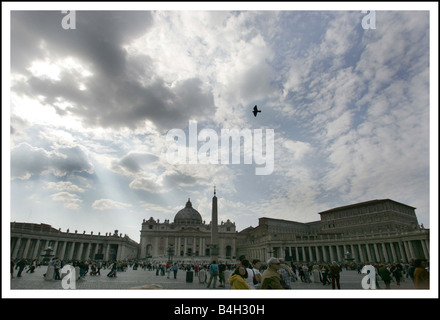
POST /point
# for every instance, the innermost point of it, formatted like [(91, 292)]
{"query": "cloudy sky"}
[(90, 109)]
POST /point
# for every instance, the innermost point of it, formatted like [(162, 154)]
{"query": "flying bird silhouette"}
[(256, 111)]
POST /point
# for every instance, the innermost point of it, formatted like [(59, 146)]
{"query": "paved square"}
[(135, 278)]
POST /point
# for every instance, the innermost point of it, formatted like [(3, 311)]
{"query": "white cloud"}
[(64, 186), (70, 200), (109, 204), (152, 209), (298, 148)]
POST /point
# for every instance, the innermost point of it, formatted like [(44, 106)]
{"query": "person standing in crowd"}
[(325, 271), (31, 267), (57, 269), (271, 279), (238, 278), (286, 274), (256, 266), (396, 272), (294, 269), (50, 272), (98, 266), (385, 274), (305, 270), (316, 273), (335, 270), (175, 269), (421, 274), (249, 273), (221, 274), (20, 265), (213, 268), (82, 269), (411, 268), (112, 272)]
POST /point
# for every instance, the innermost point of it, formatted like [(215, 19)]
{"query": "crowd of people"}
[(417, 271), (276, 274), (255, 274), (55, 266)]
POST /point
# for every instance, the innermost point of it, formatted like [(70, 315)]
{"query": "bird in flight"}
[(256, 111)]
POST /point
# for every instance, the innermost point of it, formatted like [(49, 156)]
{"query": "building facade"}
[(187, 239), (29, 240), (375, 231)]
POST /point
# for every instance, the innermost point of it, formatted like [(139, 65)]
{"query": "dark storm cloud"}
[(27, 161), (179, 179), (98, 36), (123, 91)]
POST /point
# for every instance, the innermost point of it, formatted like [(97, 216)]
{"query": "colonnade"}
[(31, 248), (375, 252)]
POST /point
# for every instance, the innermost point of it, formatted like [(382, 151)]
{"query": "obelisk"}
[(214, 230)]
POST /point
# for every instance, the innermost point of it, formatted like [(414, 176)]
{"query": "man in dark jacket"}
[(20, 265), (335, 270)]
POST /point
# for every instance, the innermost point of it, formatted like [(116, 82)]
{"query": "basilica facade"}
[(187, 239)]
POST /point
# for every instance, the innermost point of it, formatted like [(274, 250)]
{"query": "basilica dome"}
[(188, 215)]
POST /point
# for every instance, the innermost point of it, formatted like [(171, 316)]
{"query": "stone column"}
[(318, 254), (87, 256), (324, 251), (338, 252), (361, 253), (376, 251), (119, 252), (63, 250), (310, 253), (402, 252), (411, 248), (425, 249), (55, 248), (332, 255), (384, 250), (407, 250), (354, 253), (107, 250), (26, 248), (370, 256), (35, 252), (70, 251), (16, 248), (393, 252)]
